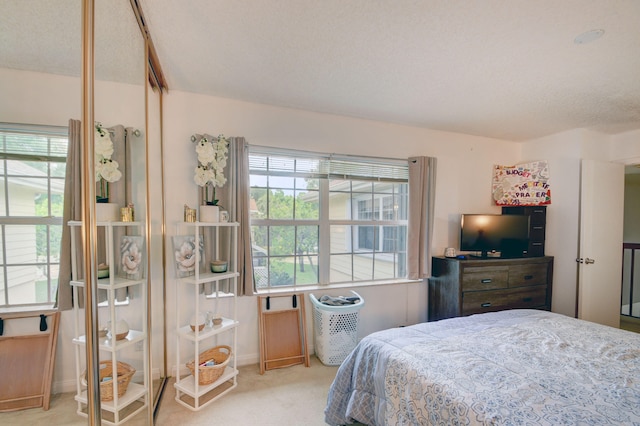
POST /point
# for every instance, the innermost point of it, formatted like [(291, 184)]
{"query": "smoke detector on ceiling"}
[(588, 37)]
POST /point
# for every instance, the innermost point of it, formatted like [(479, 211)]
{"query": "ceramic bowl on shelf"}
[(216, 320), (197, 321), (122, 329), (102, 331), (103, 271), (218, 266)]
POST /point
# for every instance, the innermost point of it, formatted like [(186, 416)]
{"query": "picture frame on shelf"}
[(131, 257), (184, 251)]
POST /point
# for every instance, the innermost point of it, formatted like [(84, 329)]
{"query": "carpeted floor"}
[(288, 396)]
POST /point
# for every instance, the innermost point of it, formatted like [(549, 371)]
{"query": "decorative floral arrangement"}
[(106, 168), (212, 159)]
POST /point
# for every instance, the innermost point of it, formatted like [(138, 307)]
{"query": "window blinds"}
[(33, 143), (282, 162)]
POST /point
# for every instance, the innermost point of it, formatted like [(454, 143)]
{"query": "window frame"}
[(379, 239), (325, 223), (51, 133)]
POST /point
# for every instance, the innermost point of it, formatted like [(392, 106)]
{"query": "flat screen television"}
[(484, 233)]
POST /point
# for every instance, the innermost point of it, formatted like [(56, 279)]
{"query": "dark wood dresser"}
[(460, 287)]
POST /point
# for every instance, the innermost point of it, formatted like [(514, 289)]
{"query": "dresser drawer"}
[(476, 302), (527, 275), (474, 279), (528, 297)]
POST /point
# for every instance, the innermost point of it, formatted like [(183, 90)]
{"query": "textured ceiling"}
[(46, 36), (505, 69)]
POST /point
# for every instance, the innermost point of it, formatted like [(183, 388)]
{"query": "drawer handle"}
[(527, 299), (536, 244), (528, 277), (486, 281), (537, 228), (486, 305)]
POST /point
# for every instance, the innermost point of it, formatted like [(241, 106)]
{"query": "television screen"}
[(507, 234)]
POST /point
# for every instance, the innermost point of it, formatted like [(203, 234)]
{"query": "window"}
[(320, 219), (32, 173)]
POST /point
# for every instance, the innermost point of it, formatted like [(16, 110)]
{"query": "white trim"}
[(629, 161), (345, 285)]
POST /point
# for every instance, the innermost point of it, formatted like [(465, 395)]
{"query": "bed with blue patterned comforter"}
[(520, 367)]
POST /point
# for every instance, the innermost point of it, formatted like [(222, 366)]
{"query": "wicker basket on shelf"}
[(220, 355), (124, 371)]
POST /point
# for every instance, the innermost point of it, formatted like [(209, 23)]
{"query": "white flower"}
[(105, 167), (109, 171), (219, 180), (98, 169), (212, 159), (201, 177), (104, 146), (206, 152)]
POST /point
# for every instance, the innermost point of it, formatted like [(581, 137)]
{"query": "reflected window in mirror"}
[(32, 178)]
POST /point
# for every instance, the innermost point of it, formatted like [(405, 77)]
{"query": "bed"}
[(524, 367)]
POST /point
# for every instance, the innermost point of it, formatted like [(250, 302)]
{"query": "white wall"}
[(39, 98), (463, 183), (562, 151), (625, 147)]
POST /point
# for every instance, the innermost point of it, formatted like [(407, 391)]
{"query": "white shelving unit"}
[(136, 398), (189, 392)]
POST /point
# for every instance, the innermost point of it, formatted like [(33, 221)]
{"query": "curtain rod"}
[(136, 132), (197, 136)]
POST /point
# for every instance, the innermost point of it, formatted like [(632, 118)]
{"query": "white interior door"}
[(600, 253)]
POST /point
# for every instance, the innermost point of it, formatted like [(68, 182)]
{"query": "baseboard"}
[(63, 386)]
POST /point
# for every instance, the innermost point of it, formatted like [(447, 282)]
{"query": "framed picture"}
[(131, 256), (184, 252)]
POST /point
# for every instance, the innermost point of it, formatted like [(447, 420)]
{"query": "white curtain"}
[(422, 184)]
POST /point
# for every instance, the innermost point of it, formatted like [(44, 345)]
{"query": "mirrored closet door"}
[(45, 46)]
